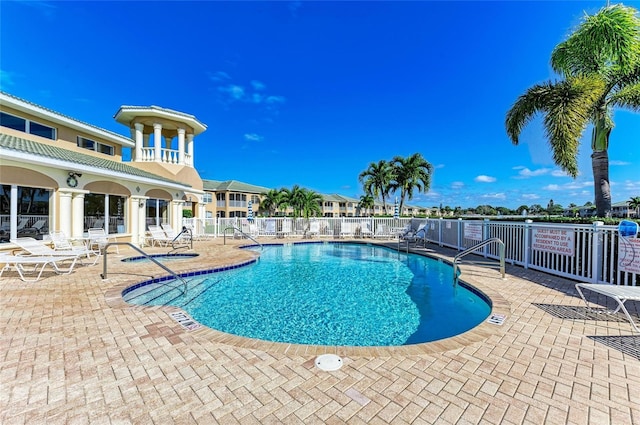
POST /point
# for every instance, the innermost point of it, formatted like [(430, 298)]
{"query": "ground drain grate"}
[(328, 362), (629, 345), (185, 321), (496, 319)]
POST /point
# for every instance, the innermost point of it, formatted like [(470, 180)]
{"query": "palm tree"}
[(311, 202), (294, 198), (411, 173), (600, 63), (635, 204), (270, 202), (366, 202), (376, 180)]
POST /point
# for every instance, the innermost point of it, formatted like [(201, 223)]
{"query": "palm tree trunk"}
[(602, 189)]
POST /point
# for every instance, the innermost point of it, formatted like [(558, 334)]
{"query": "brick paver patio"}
[(72, 352)]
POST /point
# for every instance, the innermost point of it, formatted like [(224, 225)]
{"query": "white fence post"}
[(597, 251), (459, 241), (527, 243)]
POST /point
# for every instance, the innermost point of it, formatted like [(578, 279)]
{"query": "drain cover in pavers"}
[(328, 362)]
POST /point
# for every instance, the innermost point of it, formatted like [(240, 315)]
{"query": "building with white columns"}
[(58, 173)]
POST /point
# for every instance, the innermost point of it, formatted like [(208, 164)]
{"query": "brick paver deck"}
[(72, 352)]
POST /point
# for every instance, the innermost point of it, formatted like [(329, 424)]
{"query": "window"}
[(32, 211), (95, 146), (27, 126), (106, 212), (207, 198), (15, 123), (220, 200), (255, 199), (237, 200)]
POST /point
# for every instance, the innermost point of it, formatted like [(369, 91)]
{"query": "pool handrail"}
[(484, 243), (184, 230), (103, 275), (236, 229)]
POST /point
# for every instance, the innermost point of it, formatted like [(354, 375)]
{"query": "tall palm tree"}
[(311, 204), (294, 198), (411, 173), (366, 202), (635, 204), (600, 63), (270, 201), (376, 180)]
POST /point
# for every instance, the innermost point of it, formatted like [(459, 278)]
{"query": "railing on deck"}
[(586, 253)]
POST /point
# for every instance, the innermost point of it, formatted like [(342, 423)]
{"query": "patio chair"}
[(98, 238), (250, 229), (269, 228), (36, 263), (383, 231), (346, 229), (314, 228), (365, 230), (175, 236), (285, 231), (158, 236), (619, 294), (78, 247), (37, 248)]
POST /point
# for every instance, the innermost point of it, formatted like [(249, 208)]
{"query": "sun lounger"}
[(64, 245), (158, 236), (98, 238), (37, 264), (286, 229), (620, 294), (314, 228), (346, 229)]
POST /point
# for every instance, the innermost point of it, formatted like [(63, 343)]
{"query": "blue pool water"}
[(328, 294)]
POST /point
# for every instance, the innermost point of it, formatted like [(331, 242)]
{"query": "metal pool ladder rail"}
[(147, 256), (456, 267), (246, 235)]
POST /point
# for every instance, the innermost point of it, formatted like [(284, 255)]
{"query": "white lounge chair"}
[(37, 264), (67, 246), (383, 231), (620, 294), (34, 247), (168, 230), (286, 229), (314, 228), (269, 228), (98, 238), (365, 230), (346, 229), (158, 236)]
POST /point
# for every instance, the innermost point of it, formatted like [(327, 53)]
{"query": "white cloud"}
[(530, 196), (439, 166), (457, 185), (257, 85), (485, 179), (235, 92), (494, 196), (559, 173), (615, 162), (525, 173), (219, 76), (275, 99), (253, 137), (552, 187)]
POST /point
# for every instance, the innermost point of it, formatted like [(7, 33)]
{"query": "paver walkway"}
[(71, 352)]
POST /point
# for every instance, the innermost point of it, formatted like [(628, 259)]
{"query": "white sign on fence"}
[(473, 231), (558, 241), (629, 255)]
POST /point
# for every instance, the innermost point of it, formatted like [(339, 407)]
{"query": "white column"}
[(13, 211), (190, 149), (66, 213), (157, 141), (139, 140), (181, 132), (77, 215), (176, 215)]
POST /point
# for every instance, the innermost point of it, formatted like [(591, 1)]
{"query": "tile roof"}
[(51, 111), (19, 144), (233, 186)]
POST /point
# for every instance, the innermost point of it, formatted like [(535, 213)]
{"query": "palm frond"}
[(627, 97), (608, 39), (525, 109)]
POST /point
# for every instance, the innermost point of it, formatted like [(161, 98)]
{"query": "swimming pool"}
[(338, 294)]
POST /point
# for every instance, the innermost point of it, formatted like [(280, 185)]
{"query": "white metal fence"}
[(589, 253)]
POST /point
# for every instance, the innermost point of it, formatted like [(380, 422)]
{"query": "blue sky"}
[(310, 93)]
